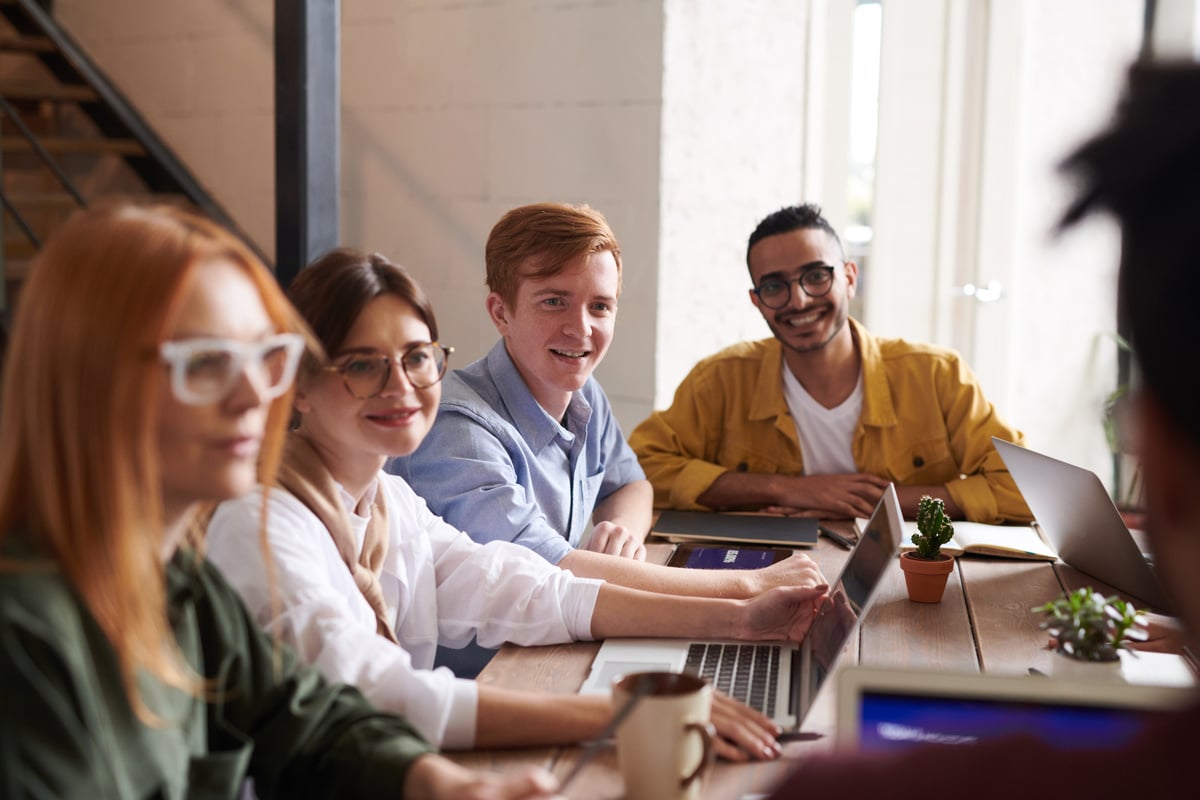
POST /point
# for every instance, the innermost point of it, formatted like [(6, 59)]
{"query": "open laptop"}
[(1077, 516), (780, 679), (888, 709)]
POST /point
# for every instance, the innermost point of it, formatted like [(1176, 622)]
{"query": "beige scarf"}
[(304, 474)]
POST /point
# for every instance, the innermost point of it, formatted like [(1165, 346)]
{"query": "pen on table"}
[(837, 538)]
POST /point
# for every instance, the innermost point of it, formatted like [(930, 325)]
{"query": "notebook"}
[(780, 679), (708, 556), (1077, 516), (889, 709), (769, 529), (976, 538)]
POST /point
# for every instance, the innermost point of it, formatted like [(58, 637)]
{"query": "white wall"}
[(732, 150), (685, 123), (1062, 356), (201, 71), (456, 112), (453, 112)]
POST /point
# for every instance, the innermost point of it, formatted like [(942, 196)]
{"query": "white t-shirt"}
[(825, 433), (439, 585)]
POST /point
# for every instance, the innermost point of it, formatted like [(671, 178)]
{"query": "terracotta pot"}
[(926, 580)]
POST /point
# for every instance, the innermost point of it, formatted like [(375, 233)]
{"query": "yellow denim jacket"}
[(924, 421)]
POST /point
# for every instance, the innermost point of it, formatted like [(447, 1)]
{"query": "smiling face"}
[(559, 327), (355, 436), (209, 452), (805, 324)]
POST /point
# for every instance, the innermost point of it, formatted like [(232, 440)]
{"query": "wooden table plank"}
[(898, 632), (1001, 596)]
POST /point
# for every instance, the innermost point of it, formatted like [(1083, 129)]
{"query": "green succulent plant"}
[(1088, 626), (933, 528)]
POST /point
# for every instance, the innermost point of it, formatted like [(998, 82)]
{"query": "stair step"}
[(54, 200), (50, 200), (57, 94), (16, 269), (10, 43), (18, 249), (62, 145)]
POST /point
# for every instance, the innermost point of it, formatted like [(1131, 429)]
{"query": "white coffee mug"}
[(665, 744)]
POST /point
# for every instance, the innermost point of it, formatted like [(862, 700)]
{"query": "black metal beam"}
[(307, 119)]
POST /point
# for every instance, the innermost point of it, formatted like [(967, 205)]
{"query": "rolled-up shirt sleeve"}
[(328, 627)]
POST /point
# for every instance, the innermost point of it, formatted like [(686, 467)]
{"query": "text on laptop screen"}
[(898, 721)]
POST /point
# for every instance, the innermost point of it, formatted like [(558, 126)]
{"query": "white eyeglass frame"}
[(176, 354)]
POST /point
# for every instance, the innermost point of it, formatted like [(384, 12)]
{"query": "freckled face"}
[(806, 323), (560, 327)]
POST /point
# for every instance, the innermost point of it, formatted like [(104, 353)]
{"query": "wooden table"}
[(984, 623)]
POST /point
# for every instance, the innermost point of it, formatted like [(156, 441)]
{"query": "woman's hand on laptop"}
[(796, 570), (781, 614), (742, 733)]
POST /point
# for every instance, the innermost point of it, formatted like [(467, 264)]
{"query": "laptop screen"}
[(882, 710), (850, 596), (897, 721)]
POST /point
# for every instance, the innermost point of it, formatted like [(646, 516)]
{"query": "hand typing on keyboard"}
[(781, 614)]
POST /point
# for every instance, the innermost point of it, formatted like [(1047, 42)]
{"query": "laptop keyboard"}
[(745, 672)]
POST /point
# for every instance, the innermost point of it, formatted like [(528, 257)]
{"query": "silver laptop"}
[(890, 709), (779, 679), (1077, 516)]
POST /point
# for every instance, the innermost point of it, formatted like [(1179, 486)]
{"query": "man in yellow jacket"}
[(818, 420)]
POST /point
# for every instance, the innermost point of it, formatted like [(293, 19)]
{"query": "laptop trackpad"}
[(625, 656), (601, 679)]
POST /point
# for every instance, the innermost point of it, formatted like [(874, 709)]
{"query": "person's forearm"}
[(433, 776), (658, 578), (745, 490), (510, 718), (910, 497), (631, 507), (621, 611)]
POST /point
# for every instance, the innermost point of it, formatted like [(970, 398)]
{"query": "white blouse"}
[(440, 587)]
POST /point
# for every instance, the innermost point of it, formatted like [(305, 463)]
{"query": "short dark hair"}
[(788, 219), (1145, 170)]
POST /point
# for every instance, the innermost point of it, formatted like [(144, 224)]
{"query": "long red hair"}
[(79, 460)]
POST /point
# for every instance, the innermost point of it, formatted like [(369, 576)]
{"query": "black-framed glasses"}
[(205, 370), (815, 281), (365, 375)]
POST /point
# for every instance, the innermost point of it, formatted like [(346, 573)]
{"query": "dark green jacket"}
[(67, 730)]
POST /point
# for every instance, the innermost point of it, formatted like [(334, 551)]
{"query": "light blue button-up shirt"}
[(497, 466)]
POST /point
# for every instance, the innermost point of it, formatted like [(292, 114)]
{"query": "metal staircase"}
[(69, 138)]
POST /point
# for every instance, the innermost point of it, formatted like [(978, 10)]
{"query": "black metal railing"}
[(157, 166)]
